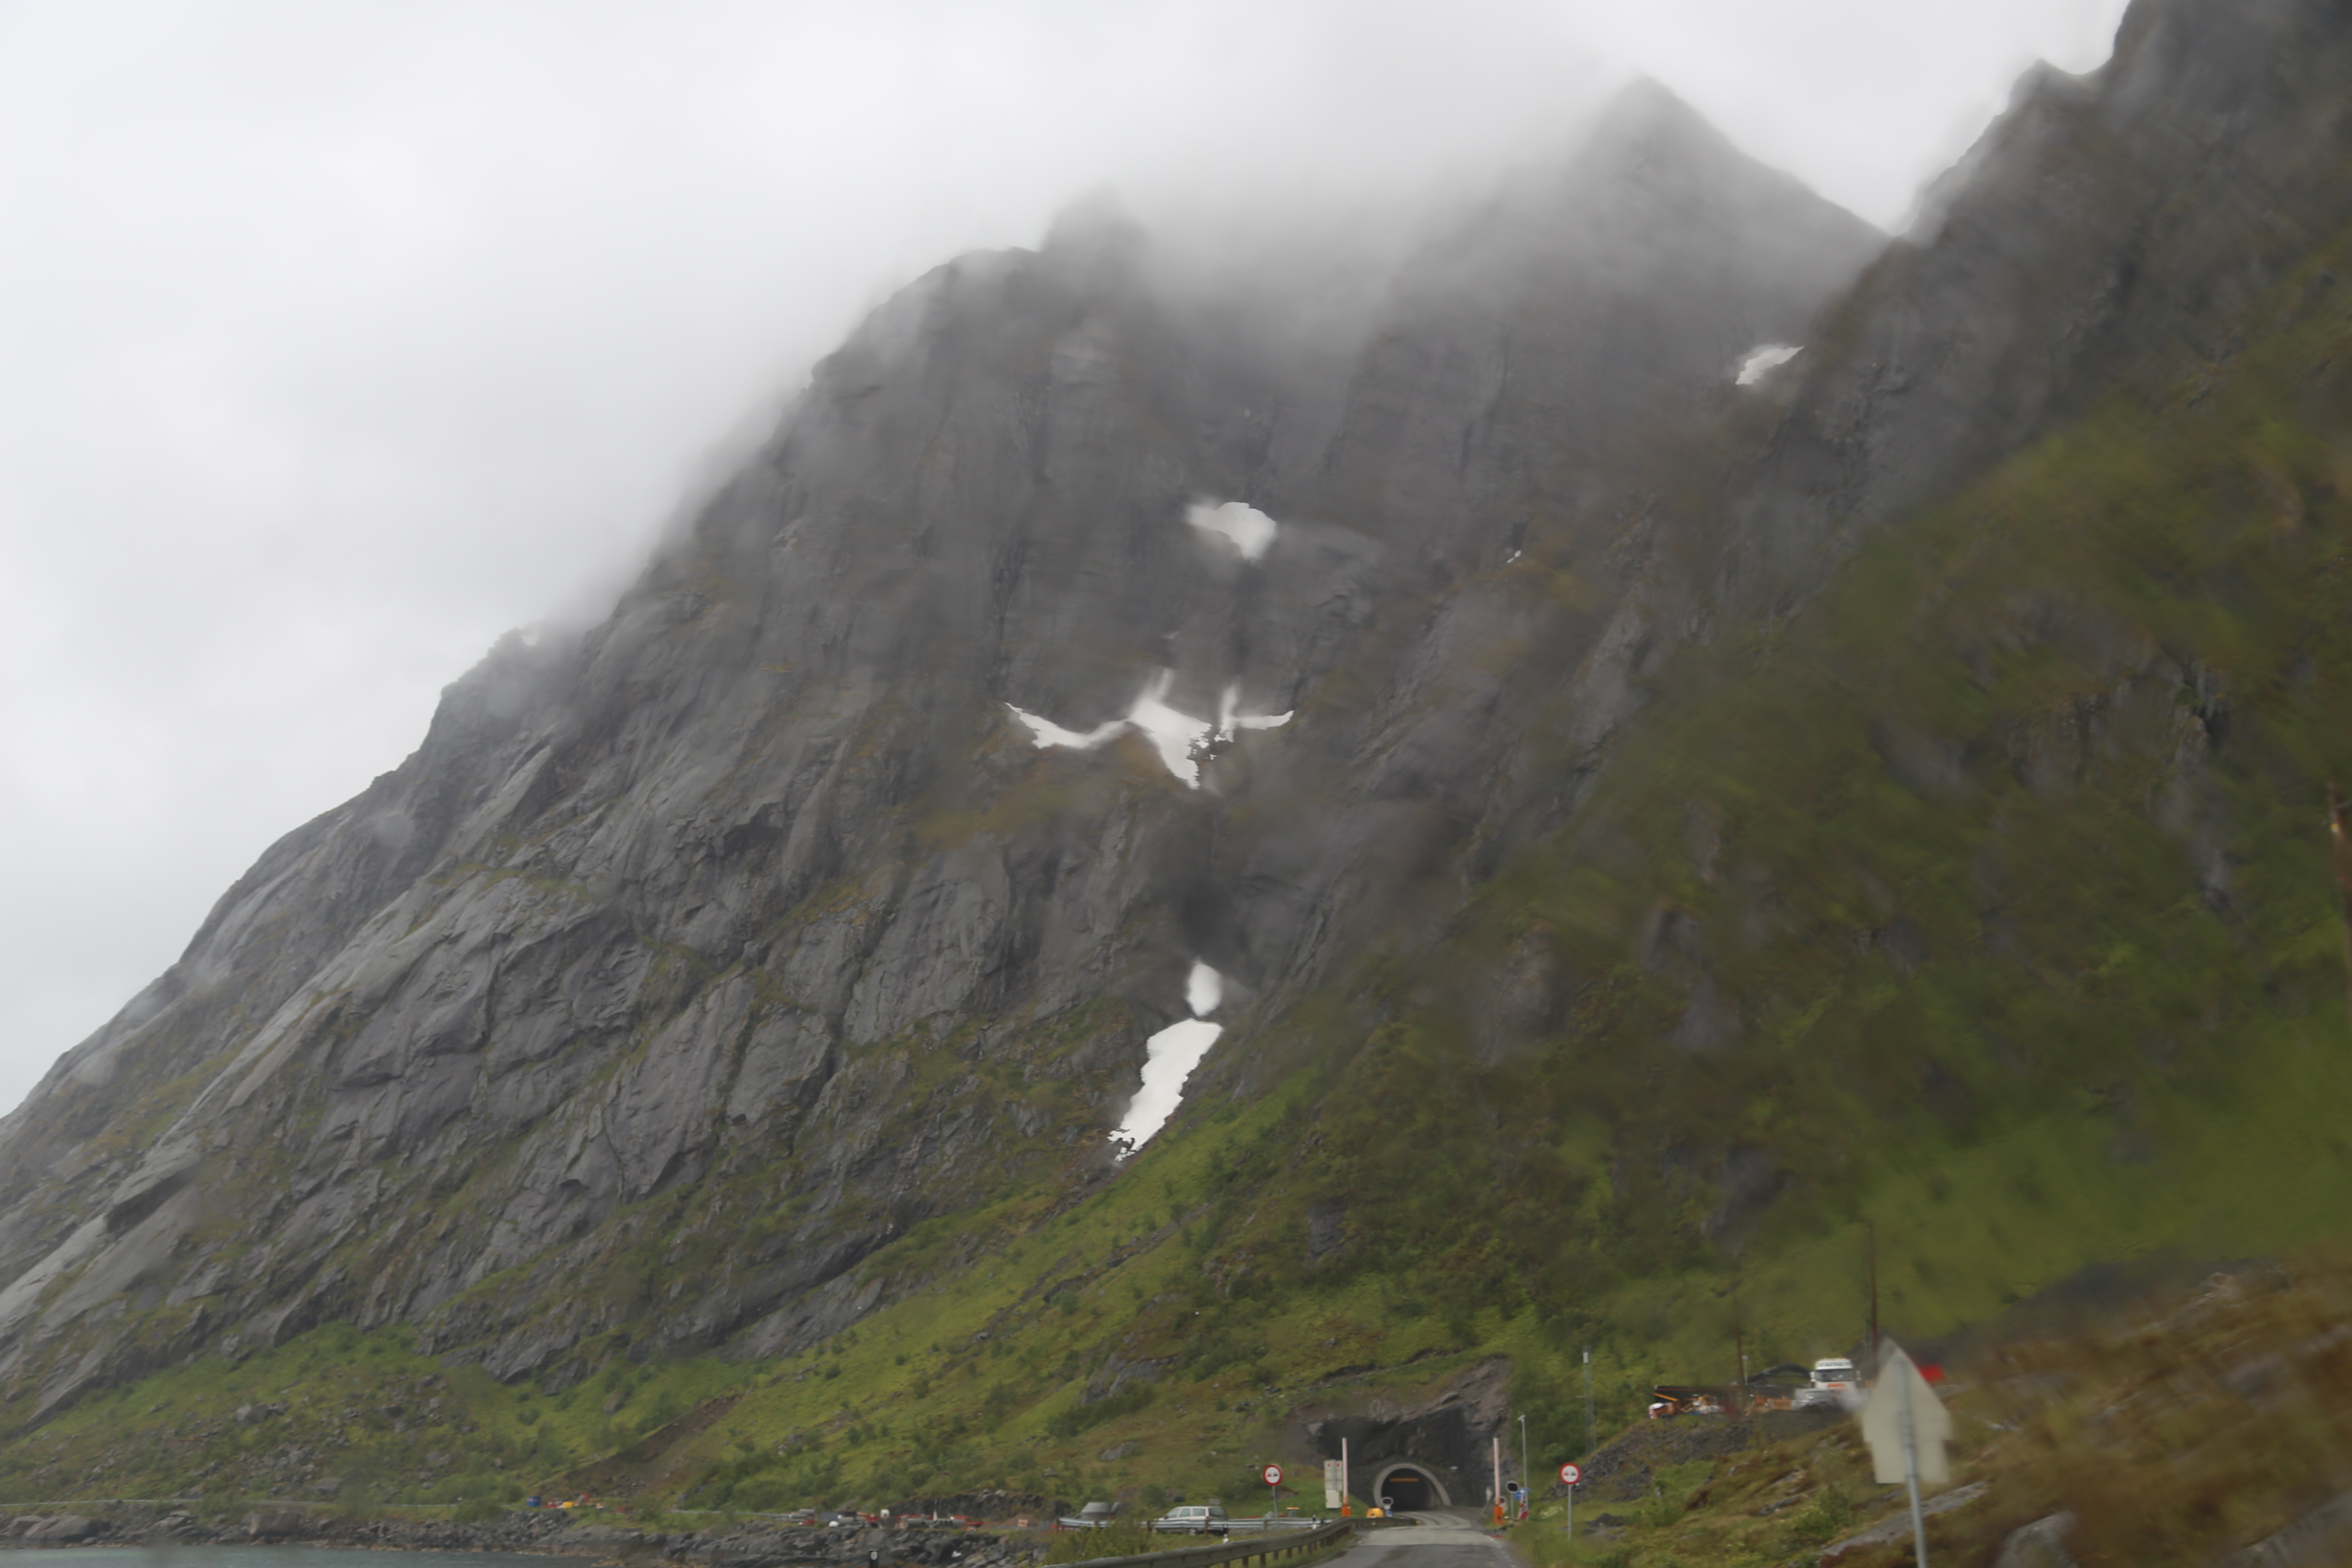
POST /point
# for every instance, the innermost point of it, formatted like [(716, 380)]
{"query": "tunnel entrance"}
[(1410, 1487), (1445, 1446)]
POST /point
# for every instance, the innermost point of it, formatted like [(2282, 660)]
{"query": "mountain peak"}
[(1095, 235), (1647, 116), (1650, 143)]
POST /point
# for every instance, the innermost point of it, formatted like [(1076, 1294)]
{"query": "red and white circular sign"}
[(1273, 1474), (1569, 1475)]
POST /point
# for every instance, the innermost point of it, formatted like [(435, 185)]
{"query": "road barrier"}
[(1264, 1547)]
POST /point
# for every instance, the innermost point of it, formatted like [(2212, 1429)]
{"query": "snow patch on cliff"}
[(1169, 1057), (1046, 733), (1242, 526), (1763, 359), (1177, 737), (1204, 989), (1231, 722), (1180, 740)]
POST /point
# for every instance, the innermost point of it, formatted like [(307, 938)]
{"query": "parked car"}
[(1195, 1519)]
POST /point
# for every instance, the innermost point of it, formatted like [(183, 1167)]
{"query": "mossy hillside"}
[(915, 1400), (976, 1383), (2190, 1425), (361, 1412), (912, 1400), (2002, 872), (2022, 1009)]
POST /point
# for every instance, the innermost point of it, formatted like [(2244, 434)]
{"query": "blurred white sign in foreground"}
[(1902, 1398)]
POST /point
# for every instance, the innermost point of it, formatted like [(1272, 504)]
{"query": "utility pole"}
[(1524, 1471), (2340, 841), (1588, 1401), (1870, 1244), (1739, 1351)]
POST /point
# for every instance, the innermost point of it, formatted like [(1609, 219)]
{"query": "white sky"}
[(335, 340)]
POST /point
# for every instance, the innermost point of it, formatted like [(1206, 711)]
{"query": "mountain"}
[(1683, 821), (756, 894)]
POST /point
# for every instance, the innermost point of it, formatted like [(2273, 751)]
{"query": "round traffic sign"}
[(1569, 1475), (1273, 1474)]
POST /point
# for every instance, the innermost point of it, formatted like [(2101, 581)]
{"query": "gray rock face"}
[(2317, 1537), (2041, 1544), (692, 959), (745, 929), (2108, 230), (1887, 1531)]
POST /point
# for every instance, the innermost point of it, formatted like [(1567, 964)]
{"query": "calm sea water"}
[(258, 1557)]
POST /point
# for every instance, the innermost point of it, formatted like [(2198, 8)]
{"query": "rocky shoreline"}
[(545, 1532)]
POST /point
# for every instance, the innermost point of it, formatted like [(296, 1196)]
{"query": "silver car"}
[(1194, 1519)]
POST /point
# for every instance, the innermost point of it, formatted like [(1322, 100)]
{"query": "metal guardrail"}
[(1264, 1546)]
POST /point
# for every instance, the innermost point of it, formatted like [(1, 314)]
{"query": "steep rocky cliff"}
[(698, 966), (753, 915)]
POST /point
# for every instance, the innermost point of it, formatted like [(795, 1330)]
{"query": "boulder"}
[(2041, 1544), (276, 1524)]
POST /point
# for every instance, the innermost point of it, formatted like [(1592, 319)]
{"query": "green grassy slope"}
[(2200, 1423), (1998, 879)]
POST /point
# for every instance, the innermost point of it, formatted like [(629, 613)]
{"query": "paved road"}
[(1440, 1541)]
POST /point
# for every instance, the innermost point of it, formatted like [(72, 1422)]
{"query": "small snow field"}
[(1180, 740), (1170, 1056), (1246, 529), (1762, 360)]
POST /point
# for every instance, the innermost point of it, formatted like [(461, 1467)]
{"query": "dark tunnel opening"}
[(1407, 1490)]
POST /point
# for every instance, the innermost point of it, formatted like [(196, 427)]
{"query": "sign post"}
[(1906, 1427), (1344, 1506), (1569, 1476), (1273, 1474)]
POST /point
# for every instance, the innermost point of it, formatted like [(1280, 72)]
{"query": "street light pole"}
[(1524, 1471)]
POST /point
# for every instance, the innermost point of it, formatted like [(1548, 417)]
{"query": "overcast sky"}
[(337, 338)]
